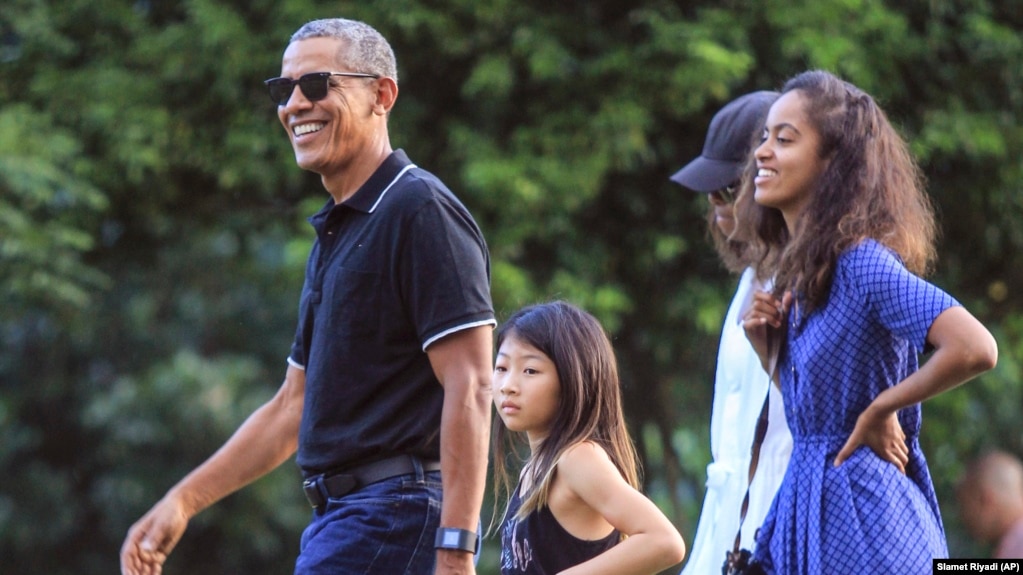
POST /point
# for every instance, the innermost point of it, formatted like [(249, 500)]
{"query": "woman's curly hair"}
[(871, 187)]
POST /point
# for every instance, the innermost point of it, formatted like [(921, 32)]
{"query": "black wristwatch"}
[(457, 540)]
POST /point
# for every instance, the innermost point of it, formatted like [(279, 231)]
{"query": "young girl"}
[(577, 508), (844, 226)]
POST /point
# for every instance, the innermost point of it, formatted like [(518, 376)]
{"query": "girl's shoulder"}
[(866, 250), (584, 469), (583, 454), (867, 258)]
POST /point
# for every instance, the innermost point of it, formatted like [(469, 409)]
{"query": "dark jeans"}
[(384, 528)]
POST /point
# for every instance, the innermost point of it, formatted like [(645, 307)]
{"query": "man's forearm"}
[(465, 432), (463, 363), (265, 440)]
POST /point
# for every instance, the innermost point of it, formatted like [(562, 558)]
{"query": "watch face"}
[(456, 539), (451, 538)]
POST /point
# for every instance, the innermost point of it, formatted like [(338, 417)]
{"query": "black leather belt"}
[(320, 488)]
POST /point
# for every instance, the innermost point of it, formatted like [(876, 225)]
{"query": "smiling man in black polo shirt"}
[(386, 395)]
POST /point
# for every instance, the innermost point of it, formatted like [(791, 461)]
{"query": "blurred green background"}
[(152, 232)]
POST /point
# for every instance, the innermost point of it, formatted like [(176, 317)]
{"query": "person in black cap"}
[(741, 384)]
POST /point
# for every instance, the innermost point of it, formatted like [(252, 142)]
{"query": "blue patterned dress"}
[(863, 516)]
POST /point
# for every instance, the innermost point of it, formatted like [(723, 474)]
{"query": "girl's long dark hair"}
[(870, 188), (590, 407)]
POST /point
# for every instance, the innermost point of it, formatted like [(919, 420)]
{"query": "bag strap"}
[(758, 437)]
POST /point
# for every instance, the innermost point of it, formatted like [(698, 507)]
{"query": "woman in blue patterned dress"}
[(840, 218)]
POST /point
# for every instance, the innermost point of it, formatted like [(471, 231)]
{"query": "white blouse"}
[(740, 386)]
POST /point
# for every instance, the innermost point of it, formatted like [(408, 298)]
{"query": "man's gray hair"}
[(365, 50)]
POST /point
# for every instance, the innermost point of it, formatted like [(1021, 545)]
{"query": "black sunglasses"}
[(314, 86), (727, 194)]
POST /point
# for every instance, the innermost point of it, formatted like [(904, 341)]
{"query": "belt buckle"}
[(311, 487)]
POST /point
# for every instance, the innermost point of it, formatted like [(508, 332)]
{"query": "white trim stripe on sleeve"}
[(458, 328)]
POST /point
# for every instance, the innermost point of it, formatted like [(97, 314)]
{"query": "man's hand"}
[(450, 562), (151, 538)]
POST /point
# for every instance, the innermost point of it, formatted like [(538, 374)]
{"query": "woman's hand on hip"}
[(883, 434)]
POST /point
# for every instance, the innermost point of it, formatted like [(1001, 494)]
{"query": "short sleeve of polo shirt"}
[(444, 270), (297, 357), (903, 302)]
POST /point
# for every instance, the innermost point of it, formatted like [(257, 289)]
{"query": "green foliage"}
[(210, 398), (47, 214), (152, 234)]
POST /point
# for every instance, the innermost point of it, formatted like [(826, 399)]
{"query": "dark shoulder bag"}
[(740, 561)]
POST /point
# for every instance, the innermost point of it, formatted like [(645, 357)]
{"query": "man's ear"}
[(387, 93)]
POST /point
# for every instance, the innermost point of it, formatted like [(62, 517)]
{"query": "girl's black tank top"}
[(539, 545)]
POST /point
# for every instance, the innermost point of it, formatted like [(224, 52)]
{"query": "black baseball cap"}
[(728, 140)]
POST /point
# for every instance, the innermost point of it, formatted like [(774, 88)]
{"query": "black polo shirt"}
[(396, 267)]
